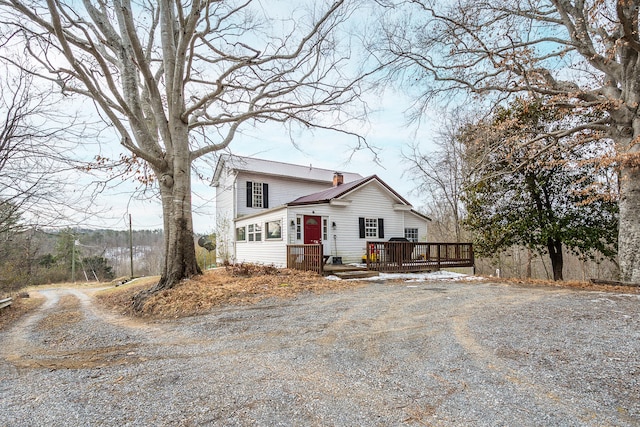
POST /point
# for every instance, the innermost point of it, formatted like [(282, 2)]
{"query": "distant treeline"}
[(33, 256)]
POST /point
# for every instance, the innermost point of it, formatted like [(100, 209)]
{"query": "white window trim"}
[(257, 200), (371, 228), (266, 230), (417, 233), (245, 234), (325, 228), (253, 231)]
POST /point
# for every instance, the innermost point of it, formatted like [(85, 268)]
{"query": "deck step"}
[(356, 274), (338, 268)]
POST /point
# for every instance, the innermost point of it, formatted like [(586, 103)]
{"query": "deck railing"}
[(305, 257), (410, 256)]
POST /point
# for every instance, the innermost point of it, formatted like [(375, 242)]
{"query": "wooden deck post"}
[(306, 257)]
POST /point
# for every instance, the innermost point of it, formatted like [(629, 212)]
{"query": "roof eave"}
[(215, 181), (315, 202), (393, 192), (415, 212), (262, 212)]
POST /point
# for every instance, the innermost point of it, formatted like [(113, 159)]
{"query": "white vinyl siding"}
[(369, 201), (266, 250), (225, 212), (324, 211), (412, 220), (286, 183), (281, 190)]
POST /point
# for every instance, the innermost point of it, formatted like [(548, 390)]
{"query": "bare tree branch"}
[(581, 54), (160, 70)]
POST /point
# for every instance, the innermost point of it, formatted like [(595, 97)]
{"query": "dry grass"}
[(19, 307), (119, 298), (236, 285)]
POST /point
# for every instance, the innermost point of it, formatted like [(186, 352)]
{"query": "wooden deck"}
[(413, 257), (386, 257)]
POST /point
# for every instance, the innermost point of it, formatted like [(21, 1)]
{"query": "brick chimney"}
[(338, 179)]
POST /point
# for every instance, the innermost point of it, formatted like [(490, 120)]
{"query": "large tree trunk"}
[(180, 259), (555, 254), (180, 254), (629, 231)]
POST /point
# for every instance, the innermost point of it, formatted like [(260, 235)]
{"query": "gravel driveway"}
[(428, 353)]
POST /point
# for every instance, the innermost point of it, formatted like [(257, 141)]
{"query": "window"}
[(241, 234), (273, 230), (257, 195), (254, 232), (299, 228), (411, 234), (371, 227), (325, 229)]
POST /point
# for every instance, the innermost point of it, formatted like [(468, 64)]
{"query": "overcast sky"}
[(388, 130)]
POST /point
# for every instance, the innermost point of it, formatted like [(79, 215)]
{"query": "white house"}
[(261, 206)]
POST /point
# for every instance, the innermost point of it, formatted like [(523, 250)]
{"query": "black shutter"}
[(249, 194), (265, 196), (361, 221), (380, 228)]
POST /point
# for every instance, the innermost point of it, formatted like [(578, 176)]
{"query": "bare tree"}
[(36, 169), (581, 54), (178, 79), (439, 175)]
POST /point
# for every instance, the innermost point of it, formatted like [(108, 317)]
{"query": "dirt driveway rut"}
[(431, 353)]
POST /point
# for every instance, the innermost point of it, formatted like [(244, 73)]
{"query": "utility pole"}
[(131, 245), (73, 259)]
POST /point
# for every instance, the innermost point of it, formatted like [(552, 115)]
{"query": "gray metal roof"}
[(274, 168)]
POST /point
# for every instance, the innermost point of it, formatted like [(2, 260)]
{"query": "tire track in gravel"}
[(59, 334), (364, 331), (385, 354), (346, 328), (485, 357)]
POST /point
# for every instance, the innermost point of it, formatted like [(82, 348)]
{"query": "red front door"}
[(312, 229)]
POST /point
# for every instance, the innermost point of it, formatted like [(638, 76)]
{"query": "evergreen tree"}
[(545, 195)]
